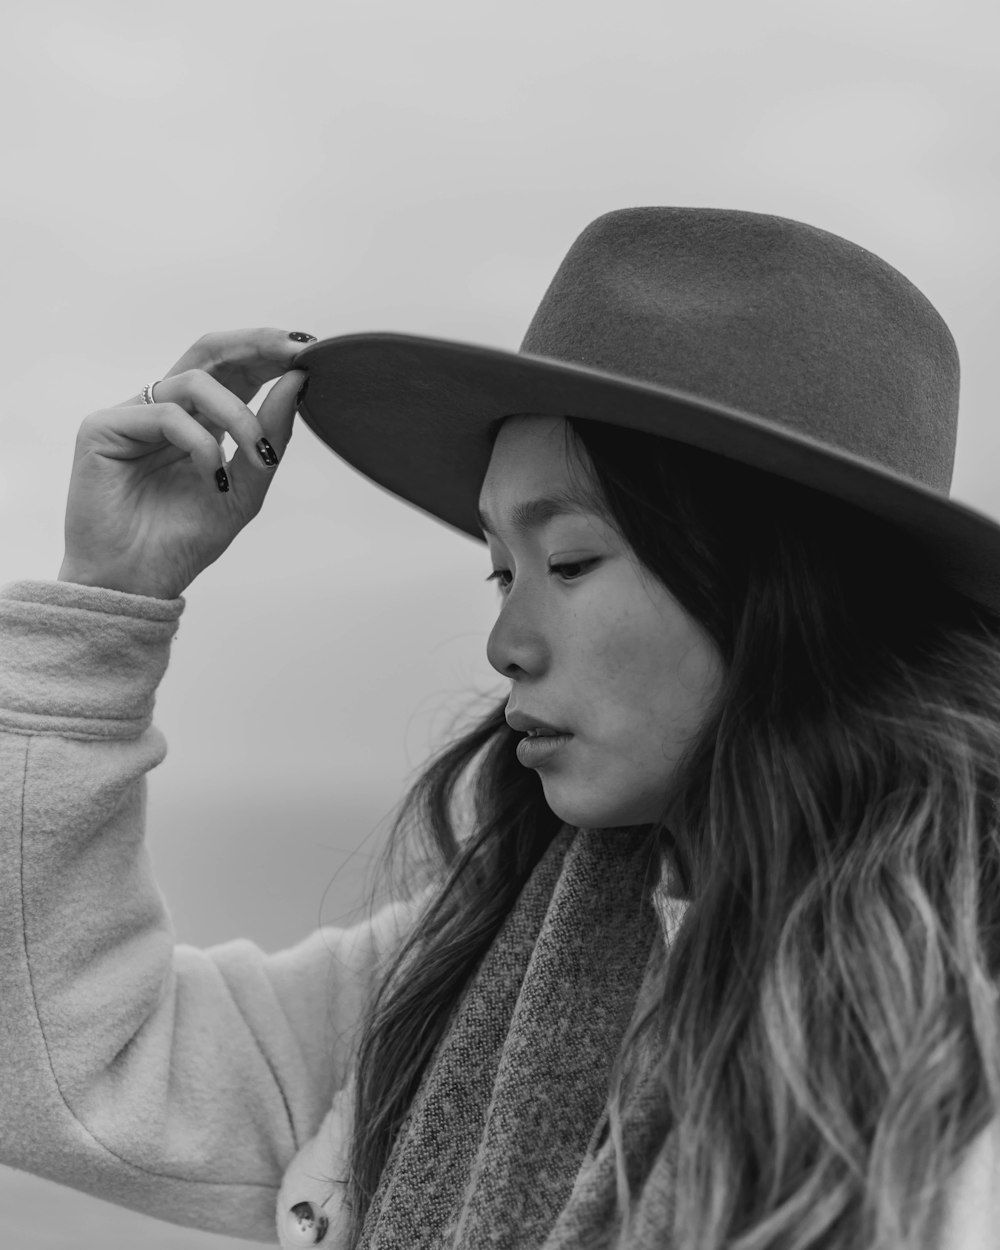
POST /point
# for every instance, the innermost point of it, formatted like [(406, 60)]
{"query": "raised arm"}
[(175, 1081)]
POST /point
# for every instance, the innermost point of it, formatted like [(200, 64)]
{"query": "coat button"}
[(306, 1225)]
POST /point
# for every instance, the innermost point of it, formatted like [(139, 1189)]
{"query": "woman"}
[(707, 952)]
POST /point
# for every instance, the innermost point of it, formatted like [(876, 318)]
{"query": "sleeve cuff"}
[(81, 661)]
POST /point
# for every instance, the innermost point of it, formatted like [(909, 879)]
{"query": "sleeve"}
[(171, 1080)]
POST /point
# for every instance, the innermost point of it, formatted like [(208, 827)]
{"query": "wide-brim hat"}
[(754, 337)]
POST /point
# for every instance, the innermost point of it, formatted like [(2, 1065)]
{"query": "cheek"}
[(656, 678), (622, 681)]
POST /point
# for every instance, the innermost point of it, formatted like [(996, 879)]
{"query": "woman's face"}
[(592, 644)]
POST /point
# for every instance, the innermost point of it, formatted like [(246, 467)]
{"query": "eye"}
[(572, 570), (568, 570)]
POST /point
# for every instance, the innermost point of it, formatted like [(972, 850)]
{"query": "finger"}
[(276, 418), (257, 354), (277, 412), (211, 403), (243, 360), (154, 425)]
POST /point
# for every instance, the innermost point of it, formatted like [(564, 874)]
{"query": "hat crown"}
[(765, 315)]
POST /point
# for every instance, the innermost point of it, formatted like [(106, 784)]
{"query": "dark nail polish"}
[(309, 1221), (266, 452), (298, 337), (222, 479)]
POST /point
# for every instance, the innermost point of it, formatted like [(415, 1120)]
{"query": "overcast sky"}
[(344, 165), (335, 167)]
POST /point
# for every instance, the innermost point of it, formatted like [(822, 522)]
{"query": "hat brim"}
[(416, 416)]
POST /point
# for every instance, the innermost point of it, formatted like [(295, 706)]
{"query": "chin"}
[(595, 813)]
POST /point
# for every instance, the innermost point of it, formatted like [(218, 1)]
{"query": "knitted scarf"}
[(502, 1144)]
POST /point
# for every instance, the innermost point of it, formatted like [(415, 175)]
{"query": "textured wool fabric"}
[(762, 315), (500, 1127)]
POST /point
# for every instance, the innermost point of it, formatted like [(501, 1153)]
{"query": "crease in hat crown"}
[(766, 315)]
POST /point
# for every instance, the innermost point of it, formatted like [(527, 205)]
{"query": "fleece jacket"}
[(174, 1081)]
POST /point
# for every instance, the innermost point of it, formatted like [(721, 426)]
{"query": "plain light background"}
[(344, 165)]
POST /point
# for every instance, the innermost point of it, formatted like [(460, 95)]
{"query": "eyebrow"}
[(534, 513)]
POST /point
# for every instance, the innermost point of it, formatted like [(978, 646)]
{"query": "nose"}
[(516, 646)]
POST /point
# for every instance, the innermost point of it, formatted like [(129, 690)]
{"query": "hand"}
[(145, 513)]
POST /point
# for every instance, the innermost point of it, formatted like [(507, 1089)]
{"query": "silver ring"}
[(147, 392)]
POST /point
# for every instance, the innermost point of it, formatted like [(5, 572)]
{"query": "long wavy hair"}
[(826, 1023)]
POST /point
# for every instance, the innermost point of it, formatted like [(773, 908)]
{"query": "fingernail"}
[(298, 336), (222, 479), (266, 452)]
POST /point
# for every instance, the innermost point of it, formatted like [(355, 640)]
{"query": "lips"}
[(533, 726)]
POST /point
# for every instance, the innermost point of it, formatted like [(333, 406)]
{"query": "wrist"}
[(106, 579)]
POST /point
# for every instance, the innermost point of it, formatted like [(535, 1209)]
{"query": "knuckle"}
[(90, 425), (211, 344), (193, 379), (210, 351), (173, 412)]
